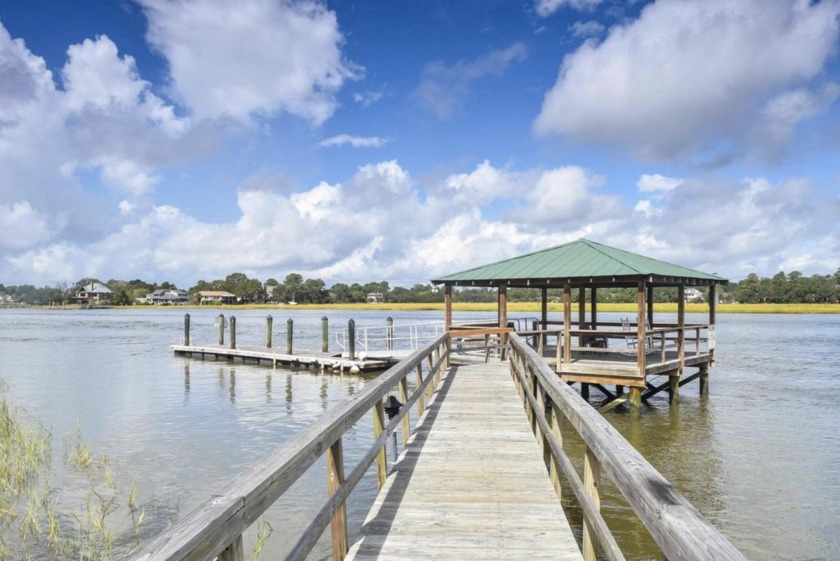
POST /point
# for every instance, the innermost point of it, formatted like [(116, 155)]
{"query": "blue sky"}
[(381, 140)]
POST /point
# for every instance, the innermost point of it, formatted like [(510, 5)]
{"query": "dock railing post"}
[(351, 339), (421, 403), (406, 422), (378, 427), (335, 477), (554, 416), (591, 482), (221, 329), (325, 334), (187, 329), (290, 335), (269, 323), (232, 332), (234, 552)]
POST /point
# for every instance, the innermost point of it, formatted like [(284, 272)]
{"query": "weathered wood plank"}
[(471, 482)]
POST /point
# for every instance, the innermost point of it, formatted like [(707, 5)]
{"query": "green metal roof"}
[(579, 262)]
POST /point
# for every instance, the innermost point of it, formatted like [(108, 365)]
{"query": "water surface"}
[(760, 457)]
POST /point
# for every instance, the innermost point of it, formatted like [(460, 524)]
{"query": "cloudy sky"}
[(381, 140)]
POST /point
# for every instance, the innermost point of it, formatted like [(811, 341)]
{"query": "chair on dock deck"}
[(632, 341)]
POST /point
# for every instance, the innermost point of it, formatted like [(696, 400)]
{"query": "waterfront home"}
[(163, 297), (92, 293), (216, 297)]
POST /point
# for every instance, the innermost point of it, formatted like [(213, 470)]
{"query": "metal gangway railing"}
[(389, 337)]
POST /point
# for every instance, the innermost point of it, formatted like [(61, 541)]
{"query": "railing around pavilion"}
[(214, 530), (674, 523), (619, 342)]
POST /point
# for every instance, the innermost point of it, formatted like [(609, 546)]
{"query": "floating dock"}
[(367, 362)]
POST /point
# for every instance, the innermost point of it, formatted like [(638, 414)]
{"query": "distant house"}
[(375, 297), (216, 297), (92, 293), (163, 297), (693, 295)]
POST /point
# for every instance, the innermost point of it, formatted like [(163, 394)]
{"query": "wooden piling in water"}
[(674, 389), (290, 335), (269, 322), (221, 329), (232, 332), (351, 339), (325, 334), (187, 329)]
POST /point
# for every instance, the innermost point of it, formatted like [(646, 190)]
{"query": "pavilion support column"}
[(581, 312), (675, 377), (567, 323), (447, 306), (543, 317), (650, 305), (503, 316), (641, 343), (712, 334), (543, 307), (593, 308)]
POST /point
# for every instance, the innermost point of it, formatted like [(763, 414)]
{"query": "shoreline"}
[(533, 307)]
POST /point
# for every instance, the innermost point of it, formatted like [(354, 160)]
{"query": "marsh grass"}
[(89, 517), (532, 307)]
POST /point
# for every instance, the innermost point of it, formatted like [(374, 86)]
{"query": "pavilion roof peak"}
[(580, 262)]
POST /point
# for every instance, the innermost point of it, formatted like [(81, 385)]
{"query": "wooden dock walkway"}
[(471, 482)]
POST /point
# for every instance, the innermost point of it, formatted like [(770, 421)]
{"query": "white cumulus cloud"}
[(689, 78), (648, 183), (237, 59), (21, 226), (546, 8)]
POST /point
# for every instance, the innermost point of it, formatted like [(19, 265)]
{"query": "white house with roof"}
[(216, 297), (92, 293), (164, 297)]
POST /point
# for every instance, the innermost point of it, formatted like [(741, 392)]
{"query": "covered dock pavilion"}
[(625, 354)]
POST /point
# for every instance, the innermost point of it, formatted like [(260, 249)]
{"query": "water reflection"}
[(232, 386), (186, 381), (268, 387), (324, 402), (679, 441)]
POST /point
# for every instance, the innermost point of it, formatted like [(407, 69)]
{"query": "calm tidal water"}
[(760, 457)]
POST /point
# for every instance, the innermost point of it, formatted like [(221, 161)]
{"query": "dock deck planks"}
[(471, 484)]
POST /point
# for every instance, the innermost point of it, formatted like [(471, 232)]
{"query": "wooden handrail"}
[(218, 524), (674, 523)]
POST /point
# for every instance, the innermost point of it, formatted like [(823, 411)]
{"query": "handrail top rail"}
[(210, 527), (479, 331), (675, 524)]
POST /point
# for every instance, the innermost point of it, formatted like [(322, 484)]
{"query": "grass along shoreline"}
[(533, 307)]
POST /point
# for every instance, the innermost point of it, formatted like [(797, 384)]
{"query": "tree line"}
[(780, 288)]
